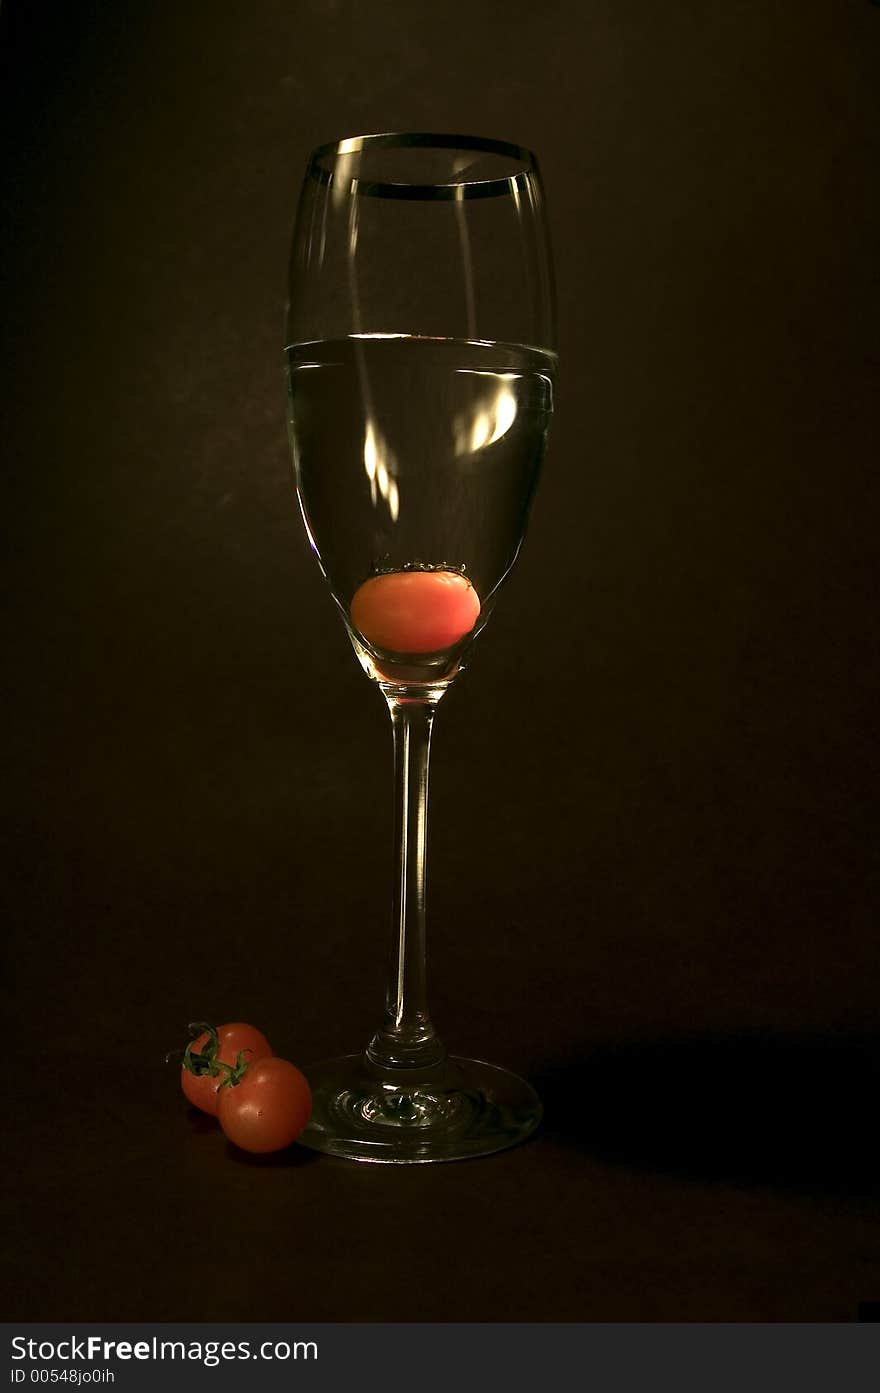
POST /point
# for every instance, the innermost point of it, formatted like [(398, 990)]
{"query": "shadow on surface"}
[(200, 1123), (289, 1159), (793, 1111)]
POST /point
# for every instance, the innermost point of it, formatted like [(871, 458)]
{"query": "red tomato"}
[(268, 1109), (232, 1039), (415, 611)]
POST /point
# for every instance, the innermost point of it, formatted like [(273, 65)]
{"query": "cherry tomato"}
[(415, 611), (268, 1108), (232, 1040)]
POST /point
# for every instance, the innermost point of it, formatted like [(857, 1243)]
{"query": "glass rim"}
[(321, 161)]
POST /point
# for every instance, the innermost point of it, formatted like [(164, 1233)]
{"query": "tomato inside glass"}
[(415, 611)]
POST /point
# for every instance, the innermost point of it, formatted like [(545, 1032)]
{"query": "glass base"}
[(463, 1108)]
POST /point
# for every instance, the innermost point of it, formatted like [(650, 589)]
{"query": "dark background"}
[(653, 872)]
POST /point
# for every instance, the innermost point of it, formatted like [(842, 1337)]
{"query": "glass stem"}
[(407, 1039)]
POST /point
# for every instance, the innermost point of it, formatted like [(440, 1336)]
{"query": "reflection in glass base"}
[(464, 1108)]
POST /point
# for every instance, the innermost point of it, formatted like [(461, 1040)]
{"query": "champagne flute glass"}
[(420, 361)]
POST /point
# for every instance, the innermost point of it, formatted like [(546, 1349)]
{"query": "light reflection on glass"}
[(466, 262), (353, 229), (379, 465), (492, 418)]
